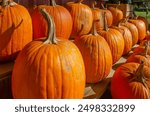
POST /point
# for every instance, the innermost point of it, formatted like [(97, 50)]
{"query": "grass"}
[(140, 13)]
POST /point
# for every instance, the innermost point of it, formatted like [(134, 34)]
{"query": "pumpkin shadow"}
[(5, 37)]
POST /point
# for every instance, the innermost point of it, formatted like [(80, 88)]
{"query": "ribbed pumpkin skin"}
[(98, 15), (121, 88), (134, 31), (49, 71), (96, 55), (137, 58), (62, 19), (127, 38), (82, 18), (141, 28), (117, 15), (15, 31), (115, 41)]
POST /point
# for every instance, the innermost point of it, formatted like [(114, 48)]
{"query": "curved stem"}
[(103, 7), (145, 49), (51, 37)]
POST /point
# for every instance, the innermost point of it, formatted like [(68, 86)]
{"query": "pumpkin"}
[(52, 68), (82, 18), (141, 28), (98, 62), (131, 81), (133, 29), (140, 49), (127, 38), (98, 15), (15, 29), (117, 15), (138, 57), (62, 19), (115, 41)]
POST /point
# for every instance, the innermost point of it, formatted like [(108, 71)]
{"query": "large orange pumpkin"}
[(131, 81), (50, 69), (96, 55), (82, 18), (15, 29), (115, 41), (62, 19)]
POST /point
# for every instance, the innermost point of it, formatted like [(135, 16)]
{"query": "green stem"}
[(51, 35)]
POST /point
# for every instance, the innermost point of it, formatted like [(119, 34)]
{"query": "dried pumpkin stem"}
[(52, 2), (105, 22), (7, 3), (94, 31), (145, 49), (93, 4), (139, 76), (79, 1), (51, 37)]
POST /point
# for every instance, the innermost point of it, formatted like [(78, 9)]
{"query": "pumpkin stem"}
[(52, 2), (93, 4), (51, 39), (79, 1), (105, 22), (5, 3), (94, 31), (139, 76), (102, 6), (145, 49)]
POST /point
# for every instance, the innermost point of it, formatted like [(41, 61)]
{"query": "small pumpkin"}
[(98, 62), (131, 81), (52, 68), (15, 29)]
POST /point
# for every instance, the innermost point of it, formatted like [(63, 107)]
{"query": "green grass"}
[(140, 13)]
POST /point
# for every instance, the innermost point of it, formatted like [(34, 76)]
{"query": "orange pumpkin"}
[(15, 29), (52, 68), (82, 18), (98, 62), (141, 28), (98, 16), (138, 57), (62, 19), (140, 49), (131, 81), (115, 41), (133, 29), (127, 38), (117, 15)]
